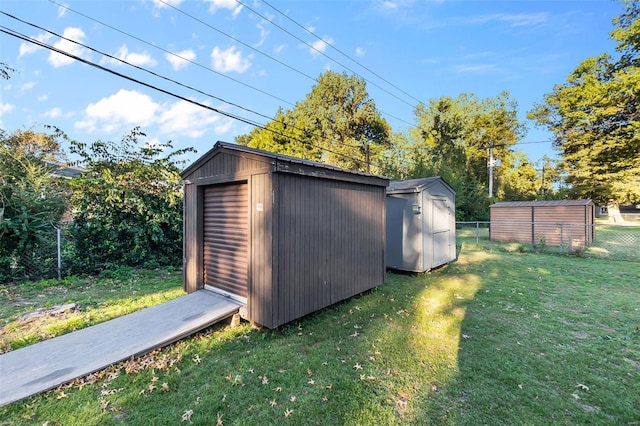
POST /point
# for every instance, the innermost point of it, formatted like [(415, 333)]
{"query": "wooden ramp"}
[(48, 364)]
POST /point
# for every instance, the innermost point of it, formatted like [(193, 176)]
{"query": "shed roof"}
[(542, 203), (415, 185), (63, 170), (283, 163)]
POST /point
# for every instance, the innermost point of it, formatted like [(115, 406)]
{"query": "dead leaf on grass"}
[(288, 412), (186, 417)]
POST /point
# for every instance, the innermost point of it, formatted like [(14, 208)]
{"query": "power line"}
[(196, 63), (172, 53), (237, 40), (341, 52), (170, 79), (23, 37), (137, 66), (281, 62), (325, 55)]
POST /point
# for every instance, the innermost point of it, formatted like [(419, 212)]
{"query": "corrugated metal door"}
[(226, 238)]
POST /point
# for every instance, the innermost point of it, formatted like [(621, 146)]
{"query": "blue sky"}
[(247, 57)]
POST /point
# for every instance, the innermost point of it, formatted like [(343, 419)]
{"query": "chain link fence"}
[(45, 258), (621, 242)]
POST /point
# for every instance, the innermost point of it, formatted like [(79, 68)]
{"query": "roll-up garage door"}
[(226, 236)]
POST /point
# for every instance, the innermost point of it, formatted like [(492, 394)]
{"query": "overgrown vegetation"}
[(495, 338), (30, 202), (125, 206)]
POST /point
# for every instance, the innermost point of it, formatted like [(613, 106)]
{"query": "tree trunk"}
[(613, 211)]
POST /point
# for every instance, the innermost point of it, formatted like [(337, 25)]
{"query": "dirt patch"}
[(34, 326), (48, 312), (580, 335), (633, 362)]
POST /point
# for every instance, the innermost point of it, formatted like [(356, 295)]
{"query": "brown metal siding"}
[(573, 225), (511, 224), (226, 237), (190, 249), (554, 224), (330, 243), (261, 289)]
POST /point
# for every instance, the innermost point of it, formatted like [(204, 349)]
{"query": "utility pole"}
[(492, 163)]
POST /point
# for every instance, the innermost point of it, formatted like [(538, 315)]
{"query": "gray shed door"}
[(226, 238), (441, 231)]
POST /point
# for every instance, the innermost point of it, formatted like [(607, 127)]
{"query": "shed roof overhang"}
[(286, 164), (542, 203), (415, 185)]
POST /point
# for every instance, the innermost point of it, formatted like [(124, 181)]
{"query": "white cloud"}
[(138, 59), (187, 119), (389, 5), (279, 48), (127, 107), (27, 86), (53, 113), (360, 52), (229, 60), (56, 113), (72, 33), (180, 59), (167, 3), (27, 48), (5, 108), (264, 33), (62, 10), (225, 4), (320, 46), (42, 98), (516, 20), (476, 69)]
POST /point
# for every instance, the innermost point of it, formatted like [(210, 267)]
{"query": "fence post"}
[(477, 233), (59, 255), (561, 238)]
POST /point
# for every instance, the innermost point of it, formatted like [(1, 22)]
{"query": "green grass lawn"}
[(616, 242), (496, 338)]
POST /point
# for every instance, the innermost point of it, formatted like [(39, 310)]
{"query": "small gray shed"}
[(285, 236), (420, 224)]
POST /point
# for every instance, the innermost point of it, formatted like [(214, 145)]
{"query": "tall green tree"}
[(451, 139), (336, 123), (595, 119), (127, 203), (32, 201)]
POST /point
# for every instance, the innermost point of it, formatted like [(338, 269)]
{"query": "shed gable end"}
[(225, 163)]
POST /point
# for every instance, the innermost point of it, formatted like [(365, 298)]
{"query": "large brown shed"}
[(283, 235), (554, 223)]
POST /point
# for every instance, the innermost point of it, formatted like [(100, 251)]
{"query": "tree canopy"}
[(595, 118), (451, 139), (337, 123), (127, 203)]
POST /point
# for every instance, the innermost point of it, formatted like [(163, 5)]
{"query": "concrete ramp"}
[(46, 365)]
